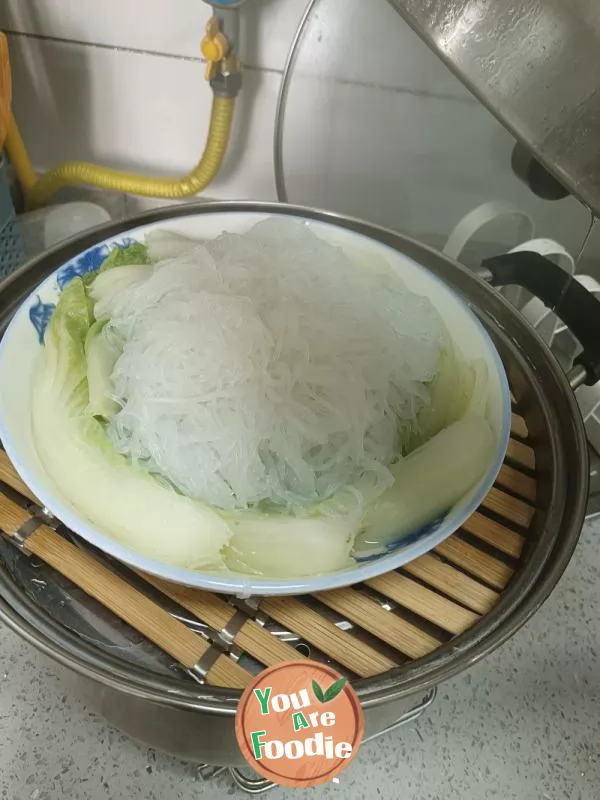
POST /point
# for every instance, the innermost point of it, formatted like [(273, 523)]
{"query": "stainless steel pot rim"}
[(528, 589)]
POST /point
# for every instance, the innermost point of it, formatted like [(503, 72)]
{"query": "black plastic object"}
[(563, 295), (535, 175)]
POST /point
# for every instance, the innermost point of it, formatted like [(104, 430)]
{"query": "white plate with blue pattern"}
[(23, 339)]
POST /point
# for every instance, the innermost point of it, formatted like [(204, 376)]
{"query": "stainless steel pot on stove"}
[(141, 695)]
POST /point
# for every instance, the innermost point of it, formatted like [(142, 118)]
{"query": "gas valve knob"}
[(214, 47)]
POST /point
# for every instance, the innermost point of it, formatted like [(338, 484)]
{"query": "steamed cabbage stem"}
[(428, 482)]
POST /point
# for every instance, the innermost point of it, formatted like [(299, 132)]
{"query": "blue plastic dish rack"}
[(12, 251)]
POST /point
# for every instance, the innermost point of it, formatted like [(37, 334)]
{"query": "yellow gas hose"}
[(39, 192), (19, 158)]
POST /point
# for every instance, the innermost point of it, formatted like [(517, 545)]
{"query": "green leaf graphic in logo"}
[(318, 692), (329, 694), (334, 690)]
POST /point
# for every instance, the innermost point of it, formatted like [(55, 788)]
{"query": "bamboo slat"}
[(453, 583), (518, 427), (509, 508), (423, 601), (495, 534), (389, 627), (521, 454), (474, 561), (10, 477), (321, 632), (524, 486)]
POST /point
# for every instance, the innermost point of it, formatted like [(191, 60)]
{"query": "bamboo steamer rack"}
[(365, 630)]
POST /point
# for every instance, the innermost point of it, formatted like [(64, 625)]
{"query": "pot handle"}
[(561, 293)]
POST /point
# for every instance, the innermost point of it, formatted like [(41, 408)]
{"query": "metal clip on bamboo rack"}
[(401, 616)]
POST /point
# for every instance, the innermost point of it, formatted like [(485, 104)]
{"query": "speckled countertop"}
[(522, 725)]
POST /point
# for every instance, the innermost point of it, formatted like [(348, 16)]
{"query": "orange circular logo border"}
[(243, 735)]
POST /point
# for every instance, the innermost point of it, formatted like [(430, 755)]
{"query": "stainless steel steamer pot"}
[(197, 722)]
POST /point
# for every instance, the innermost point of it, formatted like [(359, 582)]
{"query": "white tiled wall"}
[(375, 127)]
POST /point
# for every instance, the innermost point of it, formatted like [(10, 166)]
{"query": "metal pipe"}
[(284, 89)]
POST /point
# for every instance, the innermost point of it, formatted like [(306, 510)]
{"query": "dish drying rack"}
[(365, 630)]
